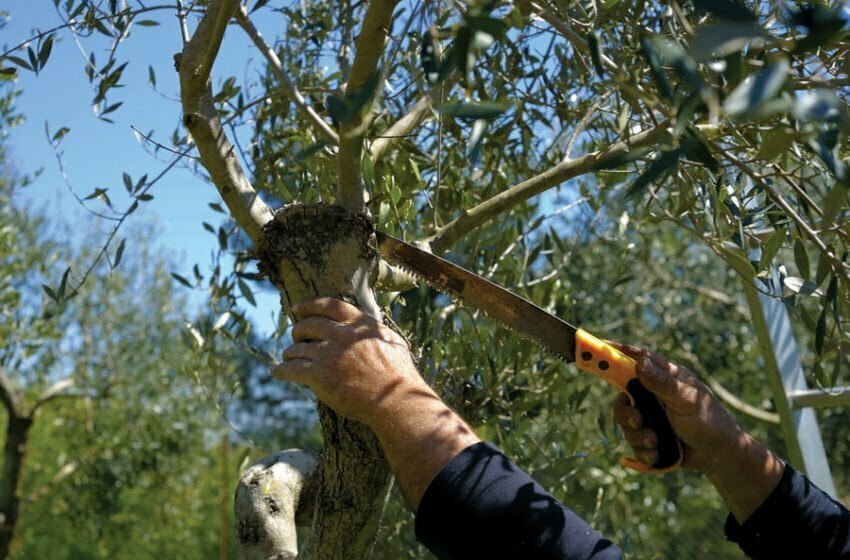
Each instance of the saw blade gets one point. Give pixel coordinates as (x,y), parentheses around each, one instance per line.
(515,312)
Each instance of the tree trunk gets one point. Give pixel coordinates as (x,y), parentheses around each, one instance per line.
(14,453)
(326,250)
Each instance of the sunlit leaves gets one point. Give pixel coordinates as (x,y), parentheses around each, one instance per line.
(757,94)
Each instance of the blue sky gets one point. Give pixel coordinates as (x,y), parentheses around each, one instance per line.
(96,153)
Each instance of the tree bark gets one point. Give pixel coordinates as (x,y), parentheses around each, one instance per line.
(329,251)
(273,498)
(14,453)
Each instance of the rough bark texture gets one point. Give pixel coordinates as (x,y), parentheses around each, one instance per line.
(273,497)
(14,453)
(326,250)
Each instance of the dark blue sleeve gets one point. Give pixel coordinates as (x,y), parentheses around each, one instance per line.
(798,520)
(481,505)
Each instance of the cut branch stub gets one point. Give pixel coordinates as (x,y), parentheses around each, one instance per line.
(273,497)
(324,250)
(320,249)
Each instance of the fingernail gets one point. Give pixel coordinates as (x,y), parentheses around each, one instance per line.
(647,366)
(634,423)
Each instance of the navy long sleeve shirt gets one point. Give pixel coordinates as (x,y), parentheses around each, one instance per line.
(481,505)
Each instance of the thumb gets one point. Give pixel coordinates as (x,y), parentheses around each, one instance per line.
(292,370)
(659,381)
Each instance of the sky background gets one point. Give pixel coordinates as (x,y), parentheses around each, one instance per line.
(97,153)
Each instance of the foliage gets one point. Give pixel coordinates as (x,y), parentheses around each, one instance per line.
(116,463)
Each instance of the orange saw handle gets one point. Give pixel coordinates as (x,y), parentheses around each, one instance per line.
(603,360)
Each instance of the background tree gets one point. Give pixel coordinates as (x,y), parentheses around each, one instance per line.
(112,422)
(701,127)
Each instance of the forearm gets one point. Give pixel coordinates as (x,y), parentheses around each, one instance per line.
(745,476)
(419,435)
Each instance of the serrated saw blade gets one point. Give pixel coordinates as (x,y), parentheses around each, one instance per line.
(515,312)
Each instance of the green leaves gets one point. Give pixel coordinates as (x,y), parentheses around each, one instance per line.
(801,286)
(36,57)
(349,107)
(754,96)
(181,280)
(717,40)
(725,9)
(737,259)
(119,252)
(58,296)
(246,292)
(655,172)
(823,25)
(478,110)
(429,57)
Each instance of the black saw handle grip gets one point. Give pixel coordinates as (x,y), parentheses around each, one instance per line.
(669,447)
(599,358)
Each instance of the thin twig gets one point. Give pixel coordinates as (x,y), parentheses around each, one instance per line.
(72,23)
(181,17)
(286,84)
(163,146)
(839,266)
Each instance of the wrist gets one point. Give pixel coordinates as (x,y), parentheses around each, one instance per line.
(401,400)
(745,475)
(735,447)
(419,434)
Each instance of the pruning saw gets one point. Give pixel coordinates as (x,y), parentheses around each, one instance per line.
(570,343)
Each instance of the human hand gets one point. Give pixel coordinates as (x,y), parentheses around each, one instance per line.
(351,362)
(708,432)
(743,471)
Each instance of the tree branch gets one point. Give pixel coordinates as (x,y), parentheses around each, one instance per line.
(393,278)
(273,497)
(744,408)
(55,391)
(287,85)
(838,265)
(401,127)
(201,118)
(505,200)
(369,46)
(544,12)
(11,397)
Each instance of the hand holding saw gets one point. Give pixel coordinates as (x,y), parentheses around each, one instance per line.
(569,343)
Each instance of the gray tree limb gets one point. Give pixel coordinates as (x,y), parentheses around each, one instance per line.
(275,496)
(369,46)
(200,117)
(11,397)
(446,235)
(401,128)
(56,390)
